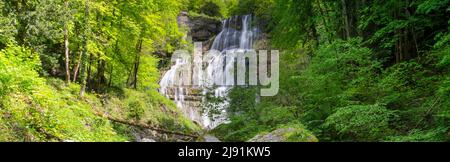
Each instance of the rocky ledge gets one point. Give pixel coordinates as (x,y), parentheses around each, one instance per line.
(201,28)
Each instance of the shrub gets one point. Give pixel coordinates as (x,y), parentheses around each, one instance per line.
(360,122)
(135,109)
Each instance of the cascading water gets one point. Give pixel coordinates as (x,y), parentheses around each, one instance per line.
(214,74)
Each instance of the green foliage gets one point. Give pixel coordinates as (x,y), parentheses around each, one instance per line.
(211,8)
(147,107)
(149,73)
(249,118)
(34,111)
(350,70)
(434,135)
(360,122)
(7,30)
(135,109)
(293,23)
(15,61)
(339,74)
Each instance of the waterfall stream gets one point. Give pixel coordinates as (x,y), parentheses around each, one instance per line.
(212,72)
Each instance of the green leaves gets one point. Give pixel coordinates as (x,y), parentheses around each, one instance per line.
(432,5)
(212,8)
(361,122)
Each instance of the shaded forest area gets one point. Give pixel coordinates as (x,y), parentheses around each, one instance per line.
(351,70)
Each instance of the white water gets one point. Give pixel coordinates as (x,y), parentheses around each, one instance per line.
(217,77)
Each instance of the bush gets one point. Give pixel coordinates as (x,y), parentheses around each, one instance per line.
(360,122)
(135,109)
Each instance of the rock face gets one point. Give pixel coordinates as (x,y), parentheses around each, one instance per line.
(288,134)
(235,34)
(200,28)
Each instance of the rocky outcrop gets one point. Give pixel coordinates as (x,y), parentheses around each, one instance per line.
(200,28)
(287,134)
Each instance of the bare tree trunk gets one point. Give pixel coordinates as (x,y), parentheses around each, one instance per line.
(66,45)
(77,67)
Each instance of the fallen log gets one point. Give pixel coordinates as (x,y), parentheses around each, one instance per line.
(142,125)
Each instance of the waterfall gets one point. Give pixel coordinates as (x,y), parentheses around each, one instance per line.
(215,73)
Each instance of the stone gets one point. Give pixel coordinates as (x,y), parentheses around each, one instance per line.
(147,140)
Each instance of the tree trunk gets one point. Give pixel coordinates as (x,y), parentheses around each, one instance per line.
(66,44)
(89,72)
(346,19)
(77,67)
(312,26)
(100,78)
(84,54)
(110,76)
(133,78)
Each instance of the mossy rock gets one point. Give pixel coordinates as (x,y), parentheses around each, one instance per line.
(286,134)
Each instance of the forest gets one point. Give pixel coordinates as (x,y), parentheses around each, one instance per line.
(350,70)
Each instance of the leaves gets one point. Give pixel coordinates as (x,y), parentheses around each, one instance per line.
(361,122)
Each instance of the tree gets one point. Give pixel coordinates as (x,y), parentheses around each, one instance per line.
(66,43)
